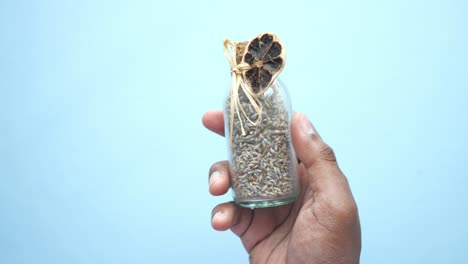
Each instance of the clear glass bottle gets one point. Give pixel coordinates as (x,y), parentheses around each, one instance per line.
(262,160)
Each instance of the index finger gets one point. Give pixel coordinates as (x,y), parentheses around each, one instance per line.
(214,121)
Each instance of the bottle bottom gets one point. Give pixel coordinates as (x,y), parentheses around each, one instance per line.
(252,204)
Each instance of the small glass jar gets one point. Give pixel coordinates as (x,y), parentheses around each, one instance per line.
(262,160)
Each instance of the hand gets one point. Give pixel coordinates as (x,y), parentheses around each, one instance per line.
(321,226)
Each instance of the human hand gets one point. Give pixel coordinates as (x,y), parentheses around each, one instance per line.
(321,226)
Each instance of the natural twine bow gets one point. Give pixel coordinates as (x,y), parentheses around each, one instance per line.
(238,81)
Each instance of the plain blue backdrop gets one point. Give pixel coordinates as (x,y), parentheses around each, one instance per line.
(103,158)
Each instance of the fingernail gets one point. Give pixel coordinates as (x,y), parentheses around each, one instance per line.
(217,216)
(307,126)
(214,177)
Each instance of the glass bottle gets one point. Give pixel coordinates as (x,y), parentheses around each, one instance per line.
(262,161)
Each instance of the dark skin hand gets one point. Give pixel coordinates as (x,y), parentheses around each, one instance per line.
(321,226)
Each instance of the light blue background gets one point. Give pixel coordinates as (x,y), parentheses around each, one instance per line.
(103,158)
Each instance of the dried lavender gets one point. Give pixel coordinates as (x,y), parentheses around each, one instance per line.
(262,160)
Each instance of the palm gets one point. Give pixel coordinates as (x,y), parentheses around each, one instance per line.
(321,226)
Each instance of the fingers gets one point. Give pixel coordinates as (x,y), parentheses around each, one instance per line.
(226,215)
(214,121)
(229,215)
(219,178)
(316,155)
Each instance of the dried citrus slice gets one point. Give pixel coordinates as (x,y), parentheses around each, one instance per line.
(265,55)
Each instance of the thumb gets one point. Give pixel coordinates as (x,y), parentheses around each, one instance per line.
(318,158)
(308,144)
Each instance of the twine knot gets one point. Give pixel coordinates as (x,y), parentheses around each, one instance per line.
(240,68)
